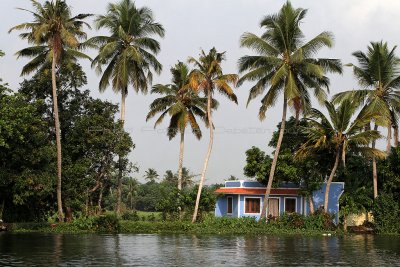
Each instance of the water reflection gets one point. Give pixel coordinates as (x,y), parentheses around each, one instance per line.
(192,250)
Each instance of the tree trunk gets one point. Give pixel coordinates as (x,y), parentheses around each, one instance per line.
(87,203)
(2,208)
(100,198)
(58,138)
(389,139)
(203,174)
(328,184)
(181,148)
(274,162)
(311,202)
(374,169)
(119,179)
(396,136)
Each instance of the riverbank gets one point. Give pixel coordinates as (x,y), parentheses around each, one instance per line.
(214,226)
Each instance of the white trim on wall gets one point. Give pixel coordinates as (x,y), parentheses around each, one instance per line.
(244,206)
(238,206)
(284,203)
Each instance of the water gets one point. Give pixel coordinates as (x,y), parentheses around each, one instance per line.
(191,250)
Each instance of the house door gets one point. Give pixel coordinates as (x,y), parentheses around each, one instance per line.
(273,207)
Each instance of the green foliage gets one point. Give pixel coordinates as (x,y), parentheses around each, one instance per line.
(386,211)
(182,107)
(389,173)
(285,63)
(108,223)
(185,199)
(129,51)
(130,216)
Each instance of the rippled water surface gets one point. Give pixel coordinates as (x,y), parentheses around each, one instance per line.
(188,250)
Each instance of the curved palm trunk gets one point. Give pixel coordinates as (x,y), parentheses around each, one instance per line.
(58,139)
(210,144)
(374,169)
(396,136)
(181,149)
(389,139)
(328,184)
(274,162)
(119,180)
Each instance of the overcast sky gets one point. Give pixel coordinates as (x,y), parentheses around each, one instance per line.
(192,25)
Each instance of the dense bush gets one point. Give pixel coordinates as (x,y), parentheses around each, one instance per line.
(108,223)
(386,211)
(130,216)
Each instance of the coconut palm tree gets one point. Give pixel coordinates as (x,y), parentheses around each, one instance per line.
(56,36)
(182,105)
(151,175)
(378,72)
(128,53)
(339,136)
(206,77)
(284,64)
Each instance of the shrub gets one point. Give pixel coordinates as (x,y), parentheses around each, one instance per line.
(386,213)
(319,220)
(108,223)
(131,216)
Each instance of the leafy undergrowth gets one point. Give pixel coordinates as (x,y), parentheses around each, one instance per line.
(110,223)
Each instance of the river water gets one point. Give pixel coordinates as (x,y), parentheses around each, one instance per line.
(191,250)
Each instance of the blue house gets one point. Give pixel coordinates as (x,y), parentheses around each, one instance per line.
(245,198)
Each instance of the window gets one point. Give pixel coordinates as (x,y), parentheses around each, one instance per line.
(252,205)
(230,205)
(290,205)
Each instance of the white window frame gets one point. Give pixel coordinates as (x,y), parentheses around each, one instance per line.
(244,206)
(295,205)
(227,205)
(279,205)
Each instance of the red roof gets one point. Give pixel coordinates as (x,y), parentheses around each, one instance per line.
(257,191)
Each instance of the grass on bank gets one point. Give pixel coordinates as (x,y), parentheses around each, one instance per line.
(150,223)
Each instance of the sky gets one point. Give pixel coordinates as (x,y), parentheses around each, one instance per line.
(202,24)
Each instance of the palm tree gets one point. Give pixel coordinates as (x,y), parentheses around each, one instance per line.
(183,107)
(284,64)
(128,53)
(206,77)
(379,73)
(339,136)
(151,175)
(55,35)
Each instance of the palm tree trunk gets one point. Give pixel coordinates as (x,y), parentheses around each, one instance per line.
(274,162)
(396,136)
(374,169)
(310,201)
(58,138)
(181,149)
(328,184)
(210,144)
(119,179)
(389,139)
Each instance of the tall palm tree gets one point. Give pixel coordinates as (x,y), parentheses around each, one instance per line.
(285,64)
(378,71)
(182,105)
(128,53)
(339,136)
(206,77)
(55,35)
